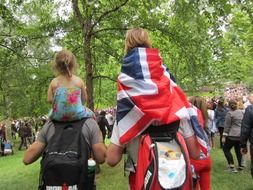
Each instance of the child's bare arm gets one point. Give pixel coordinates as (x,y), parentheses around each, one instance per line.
(84,93)
(50,95)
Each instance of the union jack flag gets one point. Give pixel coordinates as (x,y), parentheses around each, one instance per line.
(146,92)
(197,122)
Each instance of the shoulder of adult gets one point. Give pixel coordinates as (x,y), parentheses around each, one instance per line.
(92,132)
(90,123)
(229,113)
(42,137)
(249,109)
(225,109)
(89,120)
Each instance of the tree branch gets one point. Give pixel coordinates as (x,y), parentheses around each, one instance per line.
(108,29)
(25,57)
(77,12)
(10,49)
(102,76)
(107,13)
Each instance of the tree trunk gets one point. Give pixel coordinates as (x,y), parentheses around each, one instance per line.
(89,74)
(88,66)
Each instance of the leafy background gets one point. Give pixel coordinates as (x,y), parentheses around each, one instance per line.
(204,43)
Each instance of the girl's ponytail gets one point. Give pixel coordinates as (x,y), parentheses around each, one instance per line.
(67,67)
(65,63)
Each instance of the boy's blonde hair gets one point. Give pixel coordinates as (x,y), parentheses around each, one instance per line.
(65,63)
(136,37)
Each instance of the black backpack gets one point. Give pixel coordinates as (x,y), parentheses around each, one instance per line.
(64,164)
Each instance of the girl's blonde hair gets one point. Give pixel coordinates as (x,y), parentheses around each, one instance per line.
(136,37)
(65,63)
(240,105)
(200,103)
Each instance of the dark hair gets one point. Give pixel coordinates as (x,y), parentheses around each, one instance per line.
(232,104)
(220,103)
(102,113)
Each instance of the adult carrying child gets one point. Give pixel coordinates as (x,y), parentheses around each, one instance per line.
(70,130)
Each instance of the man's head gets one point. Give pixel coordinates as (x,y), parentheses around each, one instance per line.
(102,113)
(250,98)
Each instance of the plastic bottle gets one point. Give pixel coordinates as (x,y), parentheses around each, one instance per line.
(91,174)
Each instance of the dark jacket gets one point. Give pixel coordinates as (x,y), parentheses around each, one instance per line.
(219,116)
(246,129)
(102,123)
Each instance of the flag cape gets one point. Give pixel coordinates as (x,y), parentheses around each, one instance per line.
(197,121)
(146,92)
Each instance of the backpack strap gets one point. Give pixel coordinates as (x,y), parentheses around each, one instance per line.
(163,130)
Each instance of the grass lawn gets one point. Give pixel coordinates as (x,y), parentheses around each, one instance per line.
(15,176)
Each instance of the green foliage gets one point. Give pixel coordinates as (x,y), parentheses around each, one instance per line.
(202,42)
(25,41)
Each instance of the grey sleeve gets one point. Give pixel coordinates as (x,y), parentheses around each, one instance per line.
(227,125)
(92,132)
(42,136)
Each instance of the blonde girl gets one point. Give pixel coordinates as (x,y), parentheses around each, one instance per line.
(66,92)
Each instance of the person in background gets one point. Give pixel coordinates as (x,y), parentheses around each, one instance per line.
(247,134)
(13,130)
(249,100)
(3,137)
(210,122)
(17,125)
(247,103)
(219,117)
(110,119)
(240,105)
(22,134)
(28,132)
(202,165)
(102,123)
(231,135)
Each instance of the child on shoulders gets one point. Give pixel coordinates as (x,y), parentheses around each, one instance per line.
(67,92)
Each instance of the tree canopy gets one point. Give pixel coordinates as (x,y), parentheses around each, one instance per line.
(202,43)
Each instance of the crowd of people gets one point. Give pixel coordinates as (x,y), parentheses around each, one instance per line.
(143,106)
(26,130)
(20,130)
